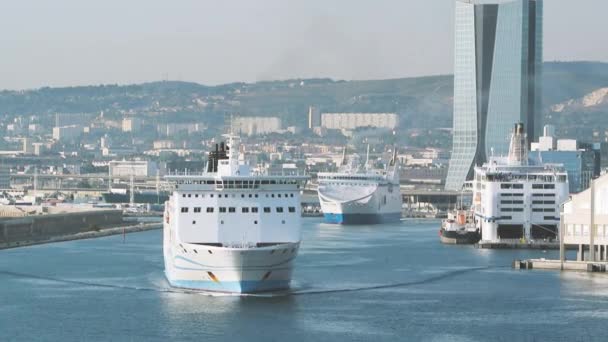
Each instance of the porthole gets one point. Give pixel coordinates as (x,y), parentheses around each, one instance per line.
(283,221)
(242,195)
(255,222)
(222,222)
(279,195)
(193,222)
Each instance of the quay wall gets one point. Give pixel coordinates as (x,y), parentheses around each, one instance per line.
(44,227)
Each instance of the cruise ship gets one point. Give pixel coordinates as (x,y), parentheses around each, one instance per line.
(230,229)
(357,194)
(514,200)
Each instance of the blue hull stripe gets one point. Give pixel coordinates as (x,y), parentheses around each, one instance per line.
(244,286)
(362,218)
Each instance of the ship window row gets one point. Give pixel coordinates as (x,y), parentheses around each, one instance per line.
(511,186)
(512,202)
(238,184)
(243,209)
(543,202)
(505,217)
(543,195)
(511,195)
(551,218)
(351,184)
(514,210)
(524,177)
(350,178)
(543,210)
(234,195)
(543,186)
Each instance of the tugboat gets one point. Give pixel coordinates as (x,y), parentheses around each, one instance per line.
(459,229)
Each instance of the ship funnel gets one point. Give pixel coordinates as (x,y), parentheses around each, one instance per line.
(518,149)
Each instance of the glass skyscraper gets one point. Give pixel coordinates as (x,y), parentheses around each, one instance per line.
(497,69)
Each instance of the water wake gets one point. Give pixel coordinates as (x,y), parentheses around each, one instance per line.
(291,292)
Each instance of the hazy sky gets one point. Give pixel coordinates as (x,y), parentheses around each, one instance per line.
(81,42)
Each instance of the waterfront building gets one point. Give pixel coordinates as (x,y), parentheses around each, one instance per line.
(583,211)
(497,73)
(136,168)
(350,121)
(515,200)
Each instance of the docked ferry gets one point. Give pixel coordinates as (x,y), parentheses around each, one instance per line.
(515,200)
(230,229)
(357,194)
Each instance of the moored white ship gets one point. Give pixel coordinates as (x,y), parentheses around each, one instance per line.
(360,195)
(515,201)
(230,230)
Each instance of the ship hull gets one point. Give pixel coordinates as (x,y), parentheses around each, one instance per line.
(230,270)
(459,238)
(341,218)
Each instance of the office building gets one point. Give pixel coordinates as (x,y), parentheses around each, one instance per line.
(497,71)
(131,125)
(350,121)
(66,133)
(257,125)
(581,161)
(314,117)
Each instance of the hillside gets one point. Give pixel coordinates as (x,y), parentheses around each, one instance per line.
(422,102)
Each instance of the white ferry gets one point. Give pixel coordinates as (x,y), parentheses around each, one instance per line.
(516,201)
(360,195)
(231,230)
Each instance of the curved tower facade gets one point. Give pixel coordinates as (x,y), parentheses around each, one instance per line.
(497,70)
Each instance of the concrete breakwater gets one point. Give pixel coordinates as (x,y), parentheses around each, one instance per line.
(36,229)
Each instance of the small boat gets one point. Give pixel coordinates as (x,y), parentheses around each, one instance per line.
(459,228)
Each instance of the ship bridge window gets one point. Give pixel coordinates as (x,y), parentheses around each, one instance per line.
(266,209)
(292,209)
(232,210)
(245,209)
(197,209)
(184,209)
(209,209)
(222,209)
(279,209)
(254,209)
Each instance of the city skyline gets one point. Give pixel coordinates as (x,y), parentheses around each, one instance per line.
(66,43)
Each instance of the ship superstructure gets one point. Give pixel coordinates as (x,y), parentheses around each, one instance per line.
(358,194)
(229,229)
(514,200)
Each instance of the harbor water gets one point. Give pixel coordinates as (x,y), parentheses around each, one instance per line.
(351,283)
